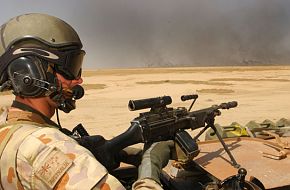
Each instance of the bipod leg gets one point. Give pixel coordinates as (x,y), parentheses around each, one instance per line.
(234,162)
(200,133)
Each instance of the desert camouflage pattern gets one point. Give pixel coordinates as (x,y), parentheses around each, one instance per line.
(45,158)
(144,184)
(3,115)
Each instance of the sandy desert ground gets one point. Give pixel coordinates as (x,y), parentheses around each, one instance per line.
(262,93)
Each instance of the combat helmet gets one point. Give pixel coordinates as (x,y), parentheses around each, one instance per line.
(33,47)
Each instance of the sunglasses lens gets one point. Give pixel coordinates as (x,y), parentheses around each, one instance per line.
(74,63)
(72,68)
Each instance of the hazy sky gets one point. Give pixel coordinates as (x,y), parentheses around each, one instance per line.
(146,33)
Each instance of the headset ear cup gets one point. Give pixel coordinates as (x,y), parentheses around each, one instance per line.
(25,74)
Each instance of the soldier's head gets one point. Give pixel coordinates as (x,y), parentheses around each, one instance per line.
(41,56)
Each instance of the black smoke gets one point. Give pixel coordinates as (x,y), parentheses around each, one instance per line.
(150,33)
(192,32)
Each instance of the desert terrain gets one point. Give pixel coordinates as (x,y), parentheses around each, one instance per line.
(262,93)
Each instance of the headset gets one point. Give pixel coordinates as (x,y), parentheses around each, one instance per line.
(28,77)
(31,72)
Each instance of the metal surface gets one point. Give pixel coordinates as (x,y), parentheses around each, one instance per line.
(249,154)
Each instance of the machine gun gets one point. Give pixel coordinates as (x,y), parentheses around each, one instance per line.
(163,123)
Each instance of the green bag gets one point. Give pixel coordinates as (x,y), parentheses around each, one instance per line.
(233,130)
(251,129)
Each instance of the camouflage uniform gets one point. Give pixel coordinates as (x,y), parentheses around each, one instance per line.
(48,159)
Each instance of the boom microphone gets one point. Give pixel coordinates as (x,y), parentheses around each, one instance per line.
(78,92)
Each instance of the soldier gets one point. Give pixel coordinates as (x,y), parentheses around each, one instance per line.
(41,62)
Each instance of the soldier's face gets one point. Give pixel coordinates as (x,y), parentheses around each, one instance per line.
(69,84)
(66,85)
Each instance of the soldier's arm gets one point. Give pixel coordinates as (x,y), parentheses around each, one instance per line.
(48,159)
(154,159)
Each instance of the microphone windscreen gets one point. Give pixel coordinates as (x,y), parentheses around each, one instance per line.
(78,92)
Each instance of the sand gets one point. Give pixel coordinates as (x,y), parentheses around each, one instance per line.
(262,93)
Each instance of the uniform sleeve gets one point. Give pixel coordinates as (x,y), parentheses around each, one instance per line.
(48,159)
(146,184)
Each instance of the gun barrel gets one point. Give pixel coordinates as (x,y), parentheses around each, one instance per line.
(228,105)
(149,103)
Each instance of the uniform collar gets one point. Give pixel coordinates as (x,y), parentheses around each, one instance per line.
(23,112)
(15,114)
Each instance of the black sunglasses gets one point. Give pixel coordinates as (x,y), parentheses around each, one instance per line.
(71,67)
